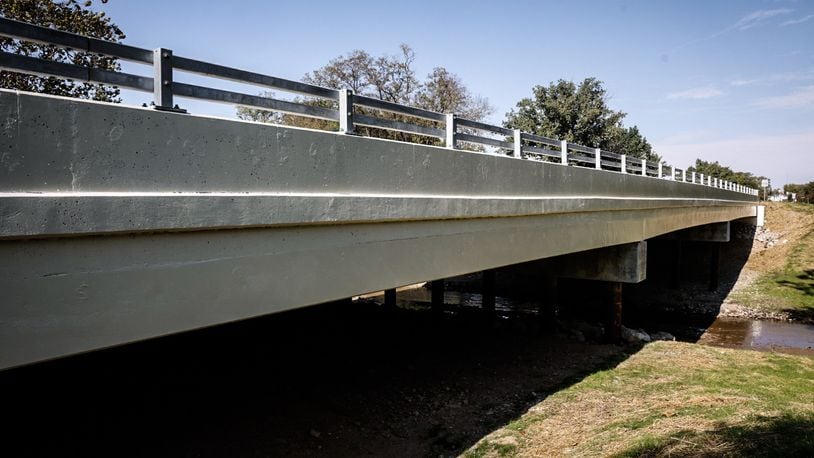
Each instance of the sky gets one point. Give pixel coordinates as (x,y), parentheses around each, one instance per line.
(729,81)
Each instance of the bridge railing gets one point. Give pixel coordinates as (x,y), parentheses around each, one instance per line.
(347,109)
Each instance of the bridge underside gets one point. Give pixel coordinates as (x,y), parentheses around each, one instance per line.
(121,224)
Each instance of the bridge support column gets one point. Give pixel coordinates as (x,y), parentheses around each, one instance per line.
(714,265)
(613,324)
(437,287)
(713,235)
(488,292)
(616,264)
(621,263)
(390,298)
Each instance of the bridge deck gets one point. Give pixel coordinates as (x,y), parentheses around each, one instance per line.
(122,223)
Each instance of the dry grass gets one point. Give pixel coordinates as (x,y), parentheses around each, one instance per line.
(673,399)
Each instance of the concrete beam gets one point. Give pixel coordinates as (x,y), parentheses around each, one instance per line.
(715,232)
(621,263)
(72,167)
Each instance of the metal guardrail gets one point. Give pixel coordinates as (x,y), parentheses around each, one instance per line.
(373,113)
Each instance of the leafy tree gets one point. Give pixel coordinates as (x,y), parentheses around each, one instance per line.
(630,141)
(254,114)
(579,114)
(444,92)
(805,192)
(717,170)
(70,16)
(390,78)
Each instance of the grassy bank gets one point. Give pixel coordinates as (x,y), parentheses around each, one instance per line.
(673,399)
(787,284)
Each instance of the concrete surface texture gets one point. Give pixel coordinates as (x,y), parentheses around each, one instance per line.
(122,223)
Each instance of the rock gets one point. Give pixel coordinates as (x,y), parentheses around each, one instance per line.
(315,434)
(661,335)
(634,335)
(576,335)
(593,332)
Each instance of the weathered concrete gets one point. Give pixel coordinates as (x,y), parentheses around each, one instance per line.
(76,167)
(620,263)
(121,223)
(715,232)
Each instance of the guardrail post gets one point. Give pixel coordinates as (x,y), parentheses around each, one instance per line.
(452,129)
(644,167)
(564,152)
(598,158)
(683,175)
(624,163)
(518,145)
(346,111)
(162,78)
(661,170)
(693,177)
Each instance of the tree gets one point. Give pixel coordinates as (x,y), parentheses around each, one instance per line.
(579,114)
(805,192)
(444,92)
(390,78)
(717,170)
(630,141)
(254,114)
(69,16)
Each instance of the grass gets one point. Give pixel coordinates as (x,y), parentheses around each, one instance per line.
(791,288)
(673,399)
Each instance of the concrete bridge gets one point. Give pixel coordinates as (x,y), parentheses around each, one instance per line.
(123,223)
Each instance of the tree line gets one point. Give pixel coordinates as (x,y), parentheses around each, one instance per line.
(805,192)
(576,112)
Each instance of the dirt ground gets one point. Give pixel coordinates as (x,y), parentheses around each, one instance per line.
(784,230)
(784,227)
(334,380)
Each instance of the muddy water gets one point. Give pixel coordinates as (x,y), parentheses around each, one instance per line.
(761,335)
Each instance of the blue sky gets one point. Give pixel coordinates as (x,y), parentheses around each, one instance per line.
(731,81)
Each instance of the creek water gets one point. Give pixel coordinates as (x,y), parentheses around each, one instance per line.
(760,335)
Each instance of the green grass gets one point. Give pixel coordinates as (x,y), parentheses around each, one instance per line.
(673,399)
(791,289)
